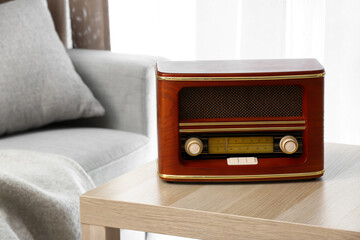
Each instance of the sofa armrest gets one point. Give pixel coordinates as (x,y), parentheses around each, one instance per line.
(125,86)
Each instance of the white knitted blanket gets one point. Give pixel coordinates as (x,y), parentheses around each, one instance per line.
(39,195)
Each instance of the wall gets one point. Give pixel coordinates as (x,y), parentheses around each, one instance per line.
(246,29)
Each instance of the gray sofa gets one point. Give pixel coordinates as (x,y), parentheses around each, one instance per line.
(124,137)
(70,119)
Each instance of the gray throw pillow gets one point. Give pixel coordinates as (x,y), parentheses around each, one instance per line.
(38,83)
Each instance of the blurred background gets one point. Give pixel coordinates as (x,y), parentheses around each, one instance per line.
(252,29)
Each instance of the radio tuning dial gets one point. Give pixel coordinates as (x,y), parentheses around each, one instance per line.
(193,146)
(289,144)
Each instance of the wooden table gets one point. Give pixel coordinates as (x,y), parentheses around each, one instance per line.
(328,208)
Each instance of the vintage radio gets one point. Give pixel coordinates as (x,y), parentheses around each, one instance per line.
(241,120)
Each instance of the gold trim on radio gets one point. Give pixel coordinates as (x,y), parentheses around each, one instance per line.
(281,77)
(238,129)
(238,123)
(240,177)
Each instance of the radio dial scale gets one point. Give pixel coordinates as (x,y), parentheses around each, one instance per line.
(205,146)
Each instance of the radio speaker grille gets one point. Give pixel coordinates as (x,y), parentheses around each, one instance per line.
(241,102)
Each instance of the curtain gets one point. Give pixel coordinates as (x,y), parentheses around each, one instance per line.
(328,30)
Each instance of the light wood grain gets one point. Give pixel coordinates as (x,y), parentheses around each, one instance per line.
(91,232)
(328,208)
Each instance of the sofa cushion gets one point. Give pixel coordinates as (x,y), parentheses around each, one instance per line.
(103,153)
(38,83)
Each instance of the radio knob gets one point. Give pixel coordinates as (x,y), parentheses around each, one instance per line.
(193,146)
(289,144)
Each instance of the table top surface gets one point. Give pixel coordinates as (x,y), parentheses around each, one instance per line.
(331,202)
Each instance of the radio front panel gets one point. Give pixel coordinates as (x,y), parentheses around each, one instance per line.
(240,126)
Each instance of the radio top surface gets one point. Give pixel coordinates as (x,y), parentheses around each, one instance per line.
(239,67)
